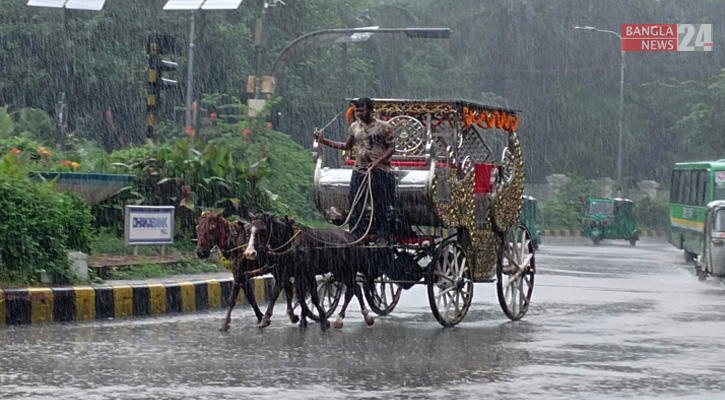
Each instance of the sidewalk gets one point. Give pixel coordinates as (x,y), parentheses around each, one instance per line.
(123,298)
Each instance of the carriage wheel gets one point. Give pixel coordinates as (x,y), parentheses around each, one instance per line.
(515,272)
(382,296)
(450,284)
(329,290)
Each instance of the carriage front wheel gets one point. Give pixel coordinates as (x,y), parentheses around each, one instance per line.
(381,294)
(450,283)
(329,290)
(515,272)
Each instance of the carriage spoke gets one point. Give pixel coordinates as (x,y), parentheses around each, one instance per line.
(515,273)
(450,286)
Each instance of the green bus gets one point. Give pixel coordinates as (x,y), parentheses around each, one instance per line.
(693,185)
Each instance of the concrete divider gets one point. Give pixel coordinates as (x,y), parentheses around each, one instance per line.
(576,232)
(77,303)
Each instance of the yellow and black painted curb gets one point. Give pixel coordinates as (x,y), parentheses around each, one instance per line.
(78,303)
(576,233)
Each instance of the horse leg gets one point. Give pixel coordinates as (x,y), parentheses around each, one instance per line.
(289,294)
(249,295)
(348,297)
(270,308)
(312,283)
(299,285)
(369,319)
(231,302)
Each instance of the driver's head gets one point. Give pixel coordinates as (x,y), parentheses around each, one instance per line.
(363,108)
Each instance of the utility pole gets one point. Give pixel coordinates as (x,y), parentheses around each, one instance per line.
(190,73)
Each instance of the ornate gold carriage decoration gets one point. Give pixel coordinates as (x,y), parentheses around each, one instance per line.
(458,167)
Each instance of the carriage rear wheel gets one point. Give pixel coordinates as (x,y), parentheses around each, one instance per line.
(329,290)
(515,272)
(450,284)
(382,296)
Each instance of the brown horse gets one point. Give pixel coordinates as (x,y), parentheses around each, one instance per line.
(231,238)
(302,252)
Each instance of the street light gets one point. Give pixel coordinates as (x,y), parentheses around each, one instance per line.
(92,5)
(351,35)
(194,6)
(621,104)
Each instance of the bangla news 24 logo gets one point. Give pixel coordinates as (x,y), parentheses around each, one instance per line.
(666,37)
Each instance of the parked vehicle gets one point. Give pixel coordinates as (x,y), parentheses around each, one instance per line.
(529,217)
(610,219)
(694,185)
(712,256)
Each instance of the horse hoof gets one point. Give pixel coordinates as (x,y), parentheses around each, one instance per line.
(224,328)
(325,325)
(338,323)
(294,319)
(264,323)
(369,320)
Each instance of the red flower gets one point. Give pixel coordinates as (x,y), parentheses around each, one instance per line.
(212,115)
(15,150)
(269,125)
(190,130)
(245,132)
(65,163)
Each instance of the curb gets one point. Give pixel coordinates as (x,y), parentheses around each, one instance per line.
(577,233)
(79,303)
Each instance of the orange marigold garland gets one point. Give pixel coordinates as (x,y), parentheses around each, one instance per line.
(350,112)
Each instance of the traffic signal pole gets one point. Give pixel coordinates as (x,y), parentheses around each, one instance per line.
(156,46)
(152,85)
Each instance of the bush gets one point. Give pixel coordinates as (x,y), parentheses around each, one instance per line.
(565,211)
(653,213)
(37,225)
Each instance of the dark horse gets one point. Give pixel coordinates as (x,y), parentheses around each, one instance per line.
(231,239)
(302,252)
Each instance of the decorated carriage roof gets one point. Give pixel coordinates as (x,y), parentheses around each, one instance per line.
(470,113)
(453,105)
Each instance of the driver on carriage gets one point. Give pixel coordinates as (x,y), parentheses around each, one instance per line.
(372,142)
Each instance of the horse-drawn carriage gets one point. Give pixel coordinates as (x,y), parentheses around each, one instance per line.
(459,172)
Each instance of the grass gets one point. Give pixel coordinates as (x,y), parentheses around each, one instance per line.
(151,270)
(105,243)
(112,245)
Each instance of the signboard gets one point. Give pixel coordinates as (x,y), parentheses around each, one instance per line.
(149,225)
(667,37)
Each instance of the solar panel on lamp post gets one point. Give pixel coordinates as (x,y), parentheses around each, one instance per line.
(194,6)
(93,5)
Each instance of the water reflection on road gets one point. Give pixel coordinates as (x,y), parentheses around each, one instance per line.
(610,321)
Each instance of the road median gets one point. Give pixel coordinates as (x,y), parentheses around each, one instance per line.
(122,299)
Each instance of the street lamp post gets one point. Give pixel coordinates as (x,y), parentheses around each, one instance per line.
(348,36)
(621,104)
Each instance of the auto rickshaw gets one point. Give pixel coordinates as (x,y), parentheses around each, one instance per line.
(610,219)
(712,257)
(529,217)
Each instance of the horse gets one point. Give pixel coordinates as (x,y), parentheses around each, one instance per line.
(231,238)
(303,252)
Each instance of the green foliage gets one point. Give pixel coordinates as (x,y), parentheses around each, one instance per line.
(6,124)
(653,213)
(38,225)
(38,123)
(566,209)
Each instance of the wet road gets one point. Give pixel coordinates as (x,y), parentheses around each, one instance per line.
(611,321)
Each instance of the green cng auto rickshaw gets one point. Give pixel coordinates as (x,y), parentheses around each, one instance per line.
(529,217)
(610,219)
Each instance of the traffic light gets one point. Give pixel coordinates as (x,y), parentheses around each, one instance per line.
(157,45)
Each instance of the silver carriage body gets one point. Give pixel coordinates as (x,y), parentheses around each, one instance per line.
(422,154)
